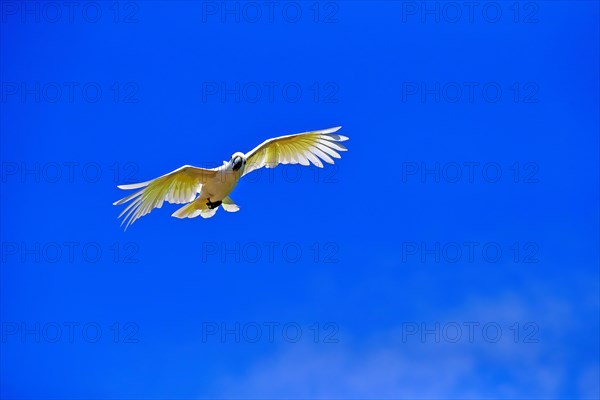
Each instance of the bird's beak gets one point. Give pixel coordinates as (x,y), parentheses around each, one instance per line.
(237,164)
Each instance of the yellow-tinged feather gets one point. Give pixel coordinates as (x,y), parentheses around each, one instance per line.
(179,186)
(303,148)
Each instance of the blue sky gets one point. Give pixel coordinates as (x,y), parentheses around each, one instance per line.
(451,253)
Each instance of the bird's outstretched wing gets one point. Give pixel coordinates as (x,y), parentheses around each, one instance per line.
(301,148)
(179,186)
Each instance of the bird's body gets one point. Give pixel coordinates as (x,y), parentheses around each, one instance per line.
(212,193)
(223,183)
(205,190)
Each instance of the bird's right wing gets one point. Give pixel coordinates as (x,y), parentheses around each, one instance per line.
(301,148)
(179,186)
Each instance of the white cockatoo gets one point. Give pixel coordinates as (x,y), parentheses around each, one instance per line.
(206,189)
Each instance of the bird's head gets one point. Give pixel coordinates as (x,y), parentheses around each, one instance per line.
(238,160)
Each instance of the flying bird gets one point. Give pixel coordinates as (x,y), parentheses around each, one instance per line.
(205,190)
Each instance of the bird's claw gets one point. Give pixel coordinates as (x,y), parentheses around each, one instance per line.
(214,205)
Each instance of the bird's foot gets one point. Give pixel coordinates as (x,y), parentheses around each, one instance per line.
(212,205)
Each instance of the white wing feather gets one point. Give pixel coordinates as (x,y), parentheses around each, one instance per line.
(301,148)
(179,186)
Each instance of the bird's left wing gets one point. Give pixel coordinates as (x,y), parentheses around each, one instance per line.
(179,186)
(301,148)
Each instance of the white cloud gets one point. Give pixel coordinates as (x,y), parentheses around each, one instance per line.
(385,367)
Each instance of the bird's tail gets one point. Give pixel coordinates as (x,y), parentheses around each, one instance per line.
(195,208)
(229,205)
(199,207)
